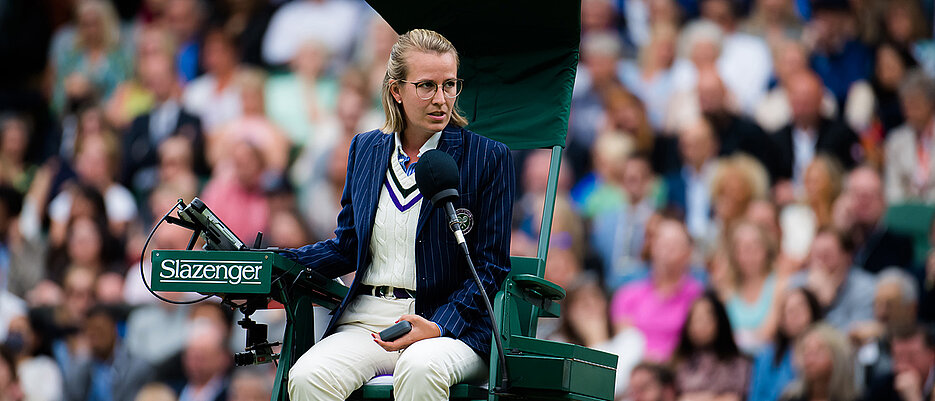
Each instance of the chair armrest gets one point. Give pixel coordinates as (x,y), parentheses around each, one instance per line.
(538,292)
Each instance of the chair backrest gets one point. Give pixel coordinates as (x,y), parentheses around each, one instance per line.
(914,220)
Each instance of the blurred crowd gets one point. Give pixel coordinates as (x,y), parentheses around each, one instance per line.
(744,211)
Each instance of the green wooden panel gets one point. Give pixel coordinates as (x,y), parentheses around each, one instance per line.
(914,220)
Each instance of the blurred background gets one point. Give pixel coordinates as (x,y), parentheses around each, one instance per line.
(745,209)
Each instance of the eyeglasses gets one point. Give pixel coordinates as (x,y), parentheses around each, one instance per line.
(426,90)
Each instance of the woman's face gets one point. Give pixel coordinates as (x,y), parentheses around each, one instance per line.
(749,251)
(890,69)
(588,306)
(796,315)
(815,358)
(90,26)
(85,242)
(426,117)
(702,325)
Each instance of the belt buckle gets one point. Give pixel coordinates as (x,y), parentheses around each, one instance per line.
(390,293)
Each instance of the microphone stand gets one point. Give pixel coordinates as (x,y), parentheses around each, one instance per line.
(455,227)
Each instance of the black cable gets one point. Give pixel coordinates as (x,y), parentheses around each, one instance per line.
(505,376)
(143,256)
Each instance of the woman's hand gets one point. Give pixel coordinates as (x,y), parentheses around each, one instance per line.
(421,329)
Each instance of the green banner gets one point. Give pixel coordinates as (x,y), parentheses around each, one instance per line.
(209,272)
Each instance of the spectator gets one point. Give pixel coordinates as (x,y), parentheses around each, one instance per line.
(895,303)
(700,45)
(93,63)
(301,102)
(904,22)
(88,244)
(183,19)
(745,61)
(585,320)
(774,21)
(838,57)
(156,392)
(754,285)
(772,367)
(910,147)
(252,126)
(650,76)
(738,181)
(824,358)
(133,97)
(913,350)
(873,108)
(148,131)
(250,385)
(39,376)
(689,188)
(841,287)
(618,235)
(790,57)
(331,22)
(652,382)
(602,189)
(659,304)
(927,300)
(707,361)
(105,370)
(822,186)
(15,169)
(215,95)
(810,133)
(597,72)
(735,133)
(206,363)
(236,195)
(877,246)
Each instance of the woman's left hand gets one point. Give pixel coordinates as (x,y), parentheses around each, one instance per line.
(421,329)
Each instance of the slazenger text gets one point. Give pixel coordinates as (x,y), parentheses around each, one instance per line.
(218,272)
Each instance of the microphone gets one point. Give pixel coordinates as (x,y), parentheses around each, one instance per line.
(437,177)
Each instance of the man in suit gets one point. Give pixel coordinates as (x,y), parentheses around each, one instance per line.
(408,265)
(913,377)
(166,119)
(878,247)
(689,187)
(809,133)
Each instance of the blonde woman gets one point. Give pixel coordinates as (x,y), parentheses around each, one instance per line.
(826,367)
(400,247)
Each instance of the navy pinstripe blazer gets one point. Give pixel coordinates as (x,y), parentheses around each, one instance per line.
(445,293)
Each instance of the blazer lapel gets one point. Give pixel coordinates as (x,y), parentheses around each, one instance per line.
(375,172)
(450,143)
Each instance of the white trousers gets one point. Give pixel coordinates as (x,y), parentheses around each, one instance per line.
(342,362)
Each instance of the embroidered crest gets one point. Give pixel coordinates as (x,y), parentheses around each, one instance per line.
(466,219)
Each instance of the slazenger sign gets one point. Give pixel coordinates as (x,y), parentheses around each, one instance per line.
(211,271)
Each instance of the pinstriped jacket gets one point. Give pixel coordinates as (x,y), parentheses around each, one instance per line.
(445,293)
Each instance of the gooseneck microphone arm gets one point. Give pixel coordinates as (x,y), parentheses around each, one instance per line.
(437,177)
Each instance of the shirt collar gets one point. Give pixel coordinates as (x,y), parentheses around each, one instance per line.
(430,144)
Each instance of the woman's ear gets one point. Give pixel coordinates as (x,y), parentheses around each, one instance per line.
(394,90)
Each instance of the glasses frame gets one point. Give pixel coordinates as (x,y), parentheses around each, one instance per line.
(459,81)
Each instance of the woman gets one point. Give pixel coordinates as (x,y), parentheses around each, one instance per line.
(749,299)
(772,367)
(825,359)
(400,246)
(94,63)
(707,360)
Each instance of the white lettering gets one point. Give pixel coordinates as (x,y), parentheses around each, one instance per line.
(168,268)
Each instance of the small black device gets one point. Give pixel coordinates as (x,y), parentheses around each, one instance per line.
(258,350)
(396,331)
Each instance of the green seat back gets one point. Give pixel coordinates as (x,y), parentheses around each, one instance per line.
(914,220)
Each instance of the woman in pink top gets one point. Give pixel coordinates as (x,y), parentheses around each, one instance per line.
(659,304)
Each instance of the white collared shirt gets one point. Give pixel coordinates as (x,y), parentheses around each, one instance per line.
(803,148)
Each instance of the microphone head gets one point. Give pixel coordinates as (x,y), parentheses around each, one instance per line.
(437,177)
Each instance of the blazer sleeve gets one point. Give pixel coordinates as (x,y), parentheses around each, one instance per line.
(336,256)
(491,254)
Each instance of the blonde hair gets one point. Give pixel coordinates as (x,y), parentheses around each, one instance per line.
(420,40)
(841,384)
(110,24)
